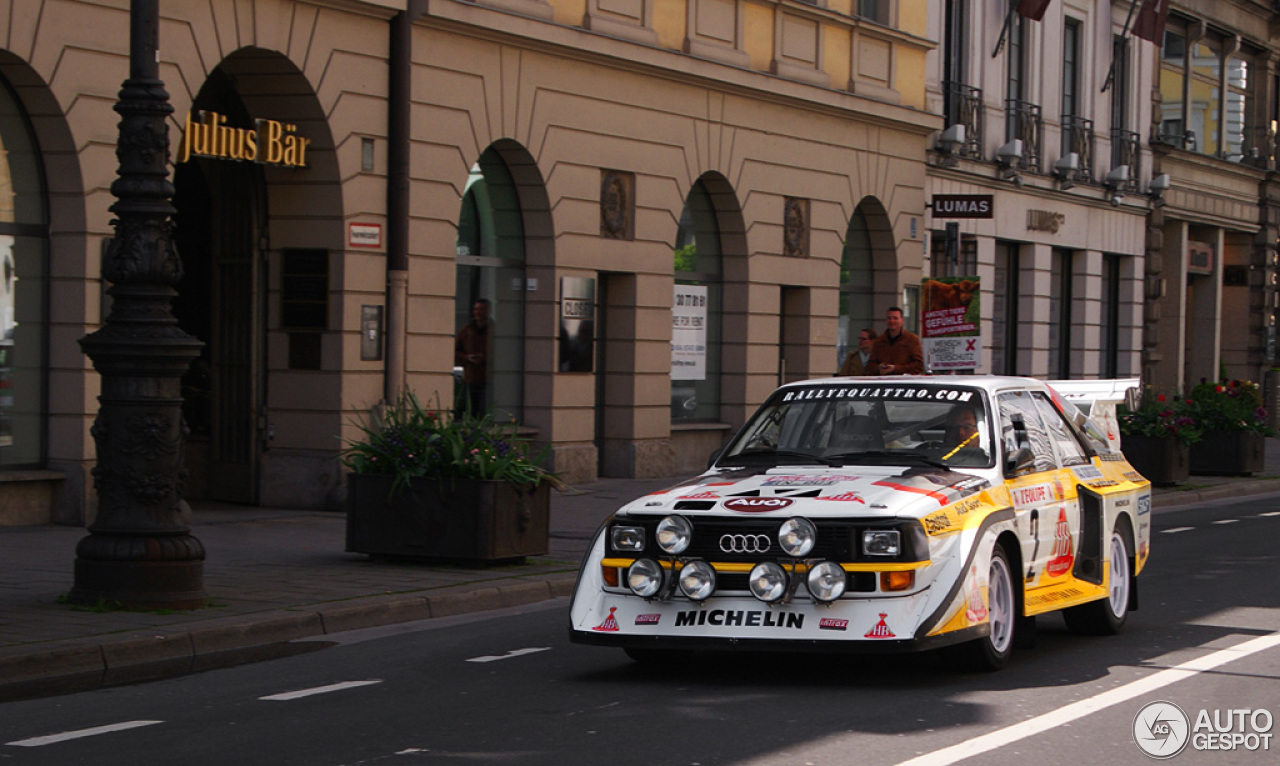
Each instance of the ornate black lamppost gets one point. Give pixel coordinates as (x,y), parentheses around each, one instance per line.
(140,552)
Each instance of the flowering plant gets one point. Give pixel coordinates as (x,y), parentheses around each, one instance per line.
(1229,405)
(406,440)
(1160,416)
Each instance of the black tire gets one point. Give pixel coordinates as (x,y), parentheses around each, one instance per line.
(991,652)
(1106,617)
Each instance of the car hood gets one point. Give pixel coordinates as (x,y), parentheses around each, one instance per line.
(864,491)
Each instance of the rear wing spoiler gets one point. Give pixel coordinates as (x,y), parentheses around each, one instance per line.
(1098,400)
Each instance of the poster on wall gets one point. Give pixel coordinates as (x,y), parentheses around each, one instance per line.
(950,327)
(689,333)
(577,324)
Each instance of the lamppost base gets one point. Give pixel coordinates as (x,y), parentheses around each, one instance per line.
(140,572)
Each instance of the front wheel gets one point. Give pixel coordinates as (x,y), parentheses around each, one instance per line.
(992,651)
(1107,616)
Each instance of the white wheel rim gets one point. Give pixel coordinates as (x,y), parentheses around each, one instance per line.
(1000,605)
(1119,590)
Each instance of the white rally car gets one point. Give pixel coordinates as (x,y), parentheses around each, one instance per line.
(897,513)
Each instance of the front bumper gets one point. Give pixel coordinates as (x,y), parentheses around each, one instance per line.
(743,623)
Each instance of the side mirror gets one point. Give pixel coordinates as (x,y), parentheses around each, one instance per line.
(1019,462)
(714,457)
(1021,458)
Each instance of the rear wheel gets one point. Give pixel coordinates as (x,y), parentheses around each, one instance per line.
(1107,616)
(992,651)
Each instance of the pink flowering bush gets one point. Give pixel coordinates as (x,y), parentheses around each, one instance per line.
(1229,405)
(1161,416)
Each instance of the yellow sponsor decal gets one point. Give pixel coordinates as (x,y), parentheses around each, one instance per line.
(1061,596)
(959,515)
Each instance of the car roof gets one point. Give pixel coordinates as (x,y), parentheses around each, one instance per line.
(987,382)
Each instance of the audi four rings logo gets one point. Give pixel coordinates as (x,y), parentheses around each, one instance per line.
(757,504)
(744,543)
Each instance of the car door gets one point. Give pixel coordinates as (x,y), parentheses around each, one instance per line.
(1043,493)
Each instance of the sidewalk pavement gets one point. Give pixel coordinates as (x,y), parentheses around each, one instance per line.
(276,576)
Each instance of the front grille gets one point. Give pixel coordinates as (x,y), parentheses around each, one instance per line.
(835,541)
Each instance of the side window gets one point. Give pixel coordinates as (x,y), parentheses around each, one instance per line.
(1069,448)
(1020,403)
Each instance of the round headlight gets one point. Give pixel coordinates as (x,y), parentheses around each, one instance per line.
(697,580)
(674,534)
(644,578)
(797,536)
(826,581)
(767,581)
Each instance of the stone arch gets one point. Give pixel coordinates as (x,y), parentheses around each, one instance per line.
(520,214)
(67,249)
(249,232)
(735,283)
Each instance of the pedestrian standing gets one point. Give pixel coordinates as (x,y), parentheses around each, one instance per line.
(471,352)
(898,351)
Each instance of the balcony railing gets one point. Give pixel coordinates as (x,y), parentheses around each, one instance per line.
(1077,136)
(1126,150)
(1025,122)
(964,107)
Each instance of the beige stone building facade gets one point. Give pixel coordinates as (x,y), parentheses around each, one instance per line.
(1212,264)
(1064,167)
(669,206)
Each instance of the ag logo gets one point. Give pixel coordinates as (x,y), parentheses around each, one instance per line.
(1161,729)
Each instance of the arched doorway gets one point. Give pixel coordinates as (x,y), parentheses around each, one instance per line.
(867,269)
(24,272)
(491,272)
(221,236)
(696,311)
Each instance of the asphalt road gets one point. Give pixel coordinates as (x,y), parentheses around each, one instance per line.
(507,688)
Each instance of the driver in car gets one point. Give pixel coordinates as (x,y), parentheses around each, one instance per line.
(961,434)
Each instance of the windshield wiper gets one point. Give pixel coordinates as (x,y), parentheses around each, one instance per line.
(845,458)
(780,455)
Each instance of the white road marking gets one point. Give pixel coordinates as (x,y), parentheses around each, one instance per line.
(1177,529)
(66,735)
(285,696)
(509,655)
(1090,705)
(1270,513)
(1226,521)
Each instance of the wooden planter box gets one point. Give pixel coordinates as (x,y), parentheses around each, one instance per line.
(1228,453)
(463,521)
(1162,460)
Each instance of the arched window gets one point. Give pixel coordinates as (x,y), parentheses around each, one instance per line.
(23,290)
(695,313)
(857,304)
(490,253)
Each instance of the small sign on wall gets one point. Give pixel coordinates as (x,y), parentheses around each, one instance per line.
(577,324)
(1199,257)
(364,235)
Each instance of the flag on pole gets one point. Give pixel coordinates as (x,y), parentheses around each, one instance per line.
(1034,9)
(1151,19)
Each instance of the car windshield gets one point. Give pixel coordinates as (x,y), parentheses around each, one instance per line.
(837,423)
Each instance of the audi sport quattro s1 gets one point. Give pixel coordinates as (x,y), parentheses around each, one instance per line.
(873,514)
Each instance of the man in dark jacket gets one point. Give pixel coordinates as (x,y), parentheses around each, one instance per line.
(471,352)
(898,351)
